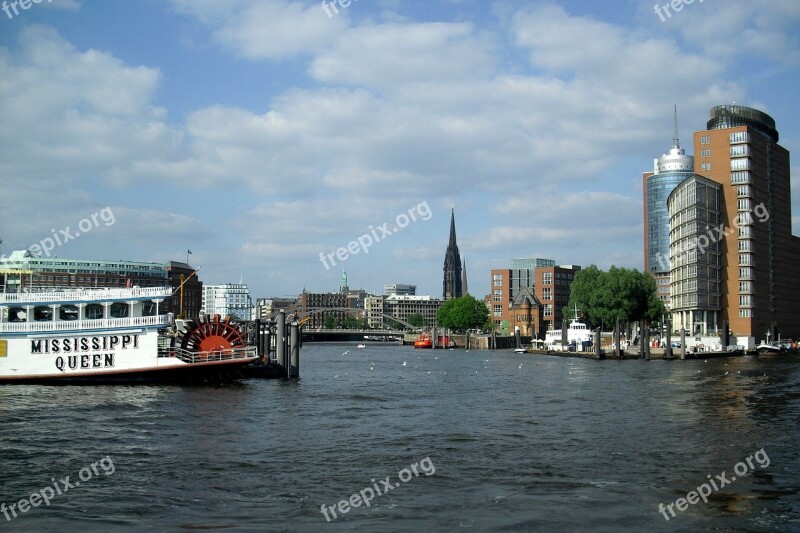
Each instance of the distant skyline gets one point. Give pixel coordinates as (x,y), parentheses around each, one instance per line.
(261,134)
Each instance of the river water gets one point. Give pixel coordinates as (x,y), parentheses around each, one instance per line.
(499,441)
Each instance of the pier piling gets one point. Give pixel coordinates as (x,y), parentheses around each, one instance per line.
(597,351)
(617,348)
(683,343)
(668,347)
(280,339)
(293,368)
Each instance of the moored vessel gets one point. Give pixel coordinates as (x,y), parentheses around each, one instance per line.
(577,333)
(113,335)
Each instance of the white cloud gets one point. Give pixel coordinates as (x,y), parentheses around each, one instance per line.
(266,29)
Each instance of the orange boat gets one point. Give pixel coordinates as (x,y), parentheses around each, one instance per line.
(424,341)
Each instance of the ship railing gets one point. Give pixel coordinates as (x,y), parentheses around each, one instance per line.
(88,295)
(86,324)
(223,354)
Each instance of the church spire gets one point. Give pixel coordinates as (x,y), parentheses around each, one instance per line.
(451,285)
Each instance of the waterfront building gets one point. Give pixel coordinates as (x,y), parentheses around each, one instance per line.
(400,288)
(373,311)
(228,299)
(22,269)
(695,290)
(669,170)
(266,308)
(403,306)
(530,295)
(739,150)
(451,285)
(187,300)
(335,301)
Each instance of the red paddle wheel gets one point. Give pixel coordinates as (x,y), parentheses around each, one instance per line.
(211,335)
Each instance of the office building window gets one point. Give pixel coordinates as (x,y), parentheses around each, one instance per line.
(497,280)
(547,294)
(497,296)
(740,177)
(498,310)
(705,166)
(740,164)
(739,137)
(547,278)
(705,139)
(705,153)
(739,150)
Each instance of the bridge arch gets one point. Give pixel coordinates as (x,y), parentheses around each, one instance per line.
(351,310)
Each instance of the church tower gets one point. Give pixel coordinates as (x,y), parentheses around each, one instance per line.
(451,287)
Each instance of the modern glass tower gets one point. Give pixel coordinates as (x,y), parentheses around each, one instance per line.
(669,170)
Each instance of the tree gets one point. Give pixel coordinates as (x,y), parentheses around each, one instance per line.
(462,313)
(351,322)
(416,320)
(620,293)
(330,322)
(393,324)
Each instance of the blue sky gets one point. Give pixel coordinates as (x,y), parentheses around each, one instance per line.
(260,134)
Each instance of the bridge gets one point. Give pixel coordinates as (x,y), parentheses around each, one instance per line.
(340,335)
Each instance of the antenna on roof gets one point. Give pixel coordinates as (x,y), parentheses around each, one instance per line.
(676,141)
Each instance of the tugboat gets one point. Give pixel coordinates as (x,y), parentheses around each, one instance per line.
(114,335)
(424,342)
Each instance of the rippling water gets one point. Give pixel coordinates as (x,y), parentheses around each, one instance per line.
(518,442)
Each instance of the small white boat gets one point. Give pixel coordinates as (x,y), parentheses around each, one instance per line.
(577,333)
(361,346)
(519,350)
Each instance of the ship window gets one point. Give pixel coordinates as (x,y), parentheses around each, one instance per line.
(42,313)
(17,314)
(94,311)
(68,312)
(148,308)
(119,310)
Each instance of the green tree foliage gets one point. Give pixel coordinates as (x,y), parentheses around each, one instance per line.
(330,322)
(394,325)
(416,320)
(462,313)
(351,322)
(622,293)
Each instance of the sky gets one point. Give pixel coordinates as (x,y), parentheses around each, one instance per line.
(283,142)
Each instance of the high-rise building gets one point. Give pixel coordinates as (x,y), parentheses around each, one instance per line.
(739,150)
(451,286)
(695,276)
(669,170)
